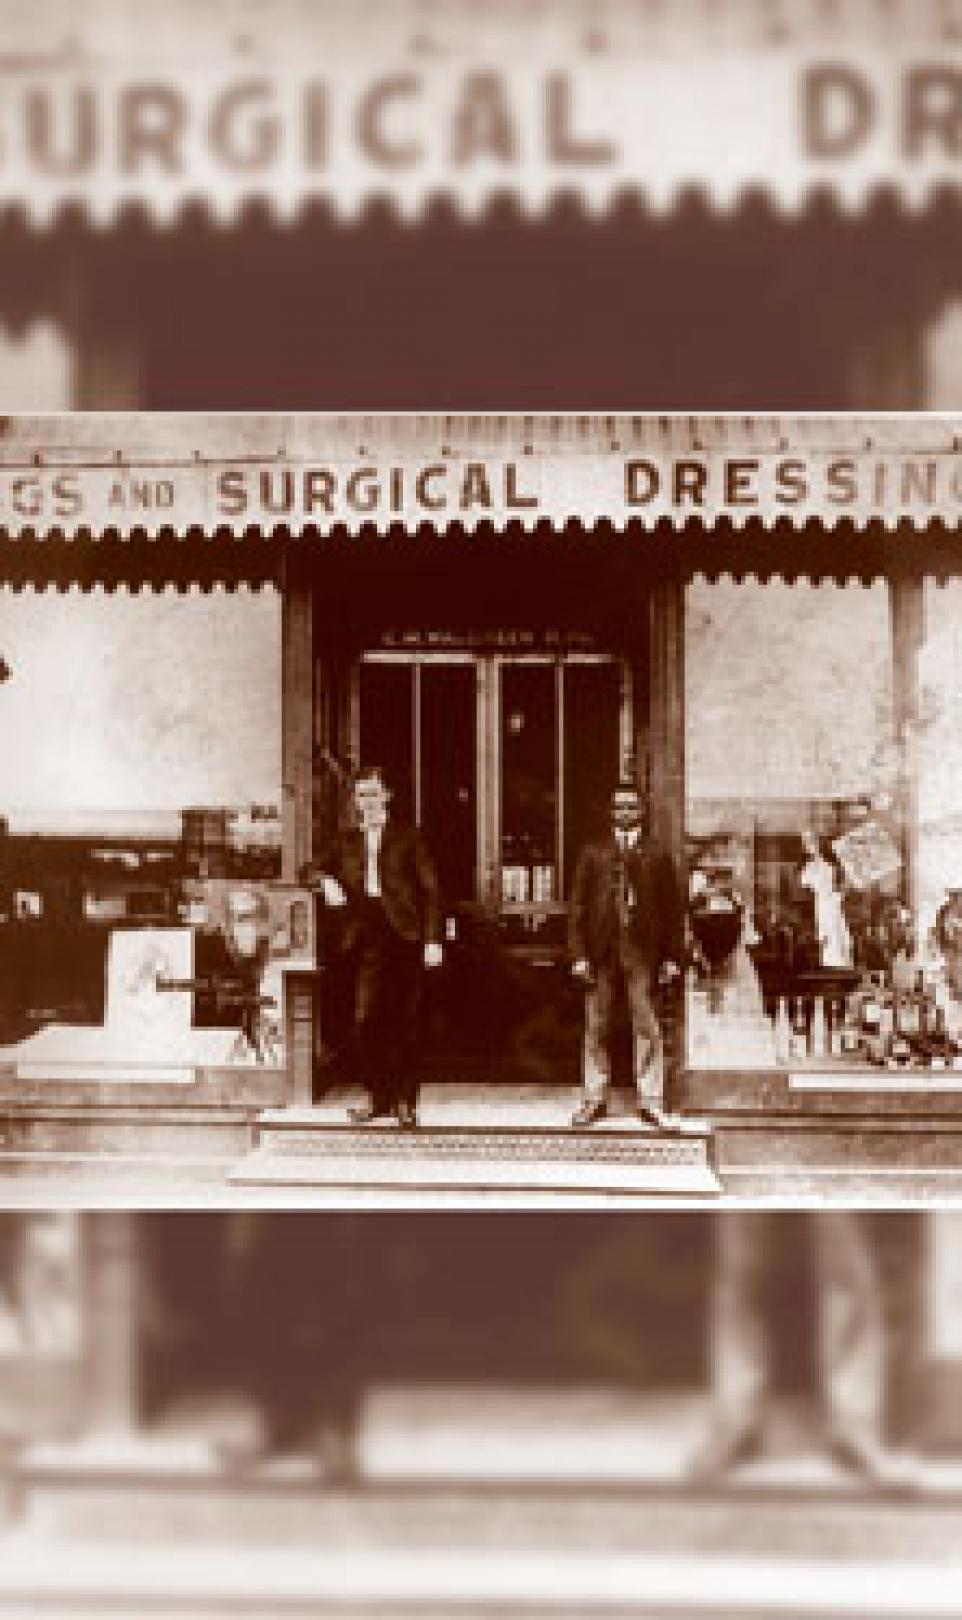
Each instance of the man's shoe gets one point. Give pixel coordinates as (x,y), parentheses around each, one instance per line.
(240,1456)
(336,1457)
(236,1458)
(407,1116)
(728,1446)
(588,1113)
(363,1113)
(661,1118)
(869,1462)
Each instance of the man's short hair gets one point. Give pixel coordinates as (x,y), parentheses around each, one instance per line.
(370,773)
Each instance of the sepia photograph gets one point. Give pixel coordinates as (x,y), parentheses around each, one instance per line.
(480,856)
(454,804)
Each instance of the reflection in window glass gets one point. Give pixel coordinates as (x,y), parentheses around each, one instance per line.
(803,950)
(143,927)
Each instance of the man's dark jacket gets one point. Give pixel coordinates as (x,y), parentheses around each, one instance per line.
(409,883)
(654,931)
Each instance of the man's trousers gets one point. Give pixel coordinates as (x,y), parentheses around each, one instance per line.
(850,1326)
(647,1053)
(387,990)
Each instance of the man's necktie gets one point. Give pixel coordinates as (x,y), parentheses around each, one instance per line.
(622,887)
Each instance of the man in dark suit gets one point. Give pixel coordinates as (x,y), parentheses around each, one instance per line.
(288,1319)
(625,921)
(382,875)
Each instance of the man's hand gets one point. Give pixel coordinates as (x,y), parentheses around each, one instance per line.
(669,972)
(582,968)
(433,954)
(332,892)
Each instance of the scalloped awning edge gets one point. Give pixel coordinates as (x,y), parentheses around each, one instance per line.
(373,476)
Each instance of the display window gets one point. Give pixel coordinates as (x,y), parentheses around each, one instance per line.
(144,930)
(751,620)
(803,942)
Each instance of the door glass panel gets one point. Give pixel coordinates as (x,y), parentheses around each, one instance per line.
(529,849)
(386,725)
(448,748)
(592,711)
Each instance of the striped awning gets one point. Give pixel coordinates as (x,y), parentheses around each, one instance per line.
(165,103)
(308,476)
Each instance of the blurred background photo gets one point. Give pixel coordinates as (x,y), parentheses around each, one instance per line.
(380,1410)
(407,204)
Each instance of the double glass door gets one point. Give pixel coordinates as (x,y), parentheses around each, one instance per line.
(505,762)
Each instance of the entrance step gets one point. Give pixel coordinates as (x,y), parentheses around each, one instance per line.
(206,1552)
(151,1525)
(479,1139)
(783,1508)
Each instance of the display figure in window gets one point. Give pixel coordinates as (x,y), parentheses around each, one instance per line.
(626,922)
(819,878)
(381,876)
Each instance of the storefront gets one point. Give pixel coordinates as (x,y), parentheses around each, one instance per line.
(508,615)
(752,617)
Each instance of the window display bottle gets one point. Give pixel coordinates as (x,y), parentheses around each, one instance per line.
(819,1033)
(850,1033)
(798,1046)
(836,1028)
(783,1032)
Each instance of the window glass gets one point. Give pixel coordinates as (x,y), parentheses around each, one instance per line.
(936,745)
(529,799)
(144,929)
(386,724)
(592,719)
(448,748)
(803,951)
